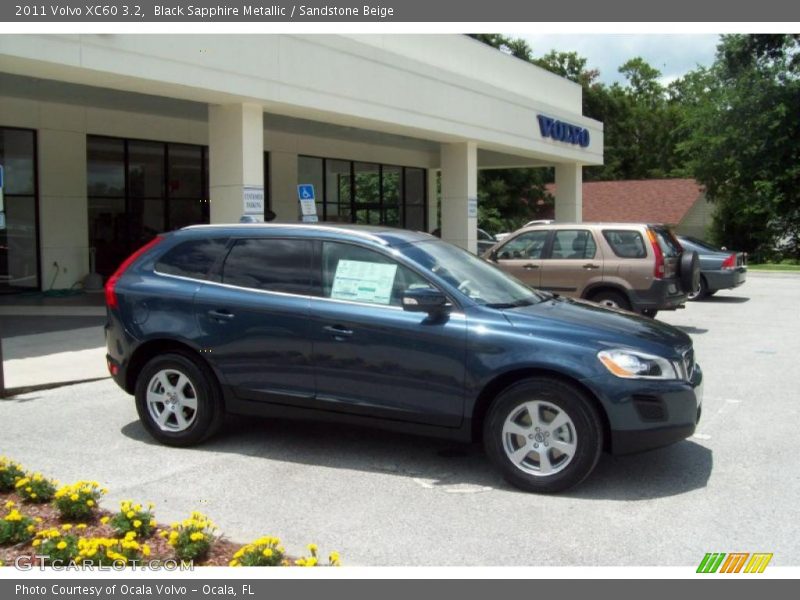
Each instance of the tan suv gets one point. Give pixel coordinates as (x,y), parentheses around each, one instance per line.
(632,266)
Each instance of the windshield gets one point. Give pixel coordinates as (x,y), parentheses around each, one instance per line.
(477,279)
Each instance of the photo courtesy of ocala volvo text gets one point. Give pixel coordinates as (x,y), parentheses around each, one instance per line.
(395,329)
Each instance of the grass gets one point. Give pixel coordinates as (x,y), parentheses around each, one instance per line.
(781,266)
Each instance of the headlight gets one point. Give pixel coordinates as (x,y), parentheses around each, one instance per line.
(637,365)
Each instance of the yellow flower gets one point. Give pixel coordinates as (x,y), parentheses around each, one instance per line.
(36,542)
(10,504)
(33,496)
(80,526)
(313,548)
(30,528)
(239,553)
(153,523)
(233,563)
(145,550)
(267,552)
(137,523)
(90,502)
(334,559)
(130,514)
(162,533)
(66,527)
(74,497)
(61,545)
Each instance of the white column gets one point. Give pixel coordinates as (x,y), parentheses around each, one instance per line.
(569,193)
(283,181)
(433,199)
(459,194)
(236,157)
(63,208)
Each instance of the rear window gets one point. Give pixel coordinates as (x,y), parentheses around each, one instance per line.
(626,243)
(274,265)
(192,258)
(670,246)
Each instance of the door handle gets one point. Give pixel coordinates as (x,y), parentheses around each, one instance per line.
(338,332)
(530,267)
(590,266)
(221,314)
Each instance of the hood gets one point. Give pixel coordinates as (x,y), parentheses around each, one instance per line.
(586,323)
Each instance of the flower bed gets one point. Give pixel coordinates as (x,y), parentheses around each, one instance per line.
(71,526)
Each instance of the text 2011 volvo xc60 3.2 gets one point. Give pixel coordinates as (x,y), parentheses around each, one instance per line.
(393,329)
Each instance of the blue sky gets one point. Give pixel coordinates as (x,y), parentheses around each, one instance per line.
(672,54)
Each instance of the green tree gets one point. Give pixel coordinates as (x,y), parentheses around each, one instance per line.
(743,141)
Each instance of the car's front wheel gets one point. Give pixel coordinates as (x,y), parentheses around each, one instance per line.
(543,434)
(178,400)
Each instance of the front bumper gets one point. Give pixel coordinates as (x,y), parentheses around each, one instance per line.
(644,415)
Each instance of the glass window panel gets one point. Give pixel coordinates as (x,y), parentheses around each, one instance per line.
(270,264)
(145,220)
(392,185)
(185,179)
(145,169)
(192,259)
(415,218)
(16,156)
(105,166)
(108,232)
(339,213)
(369,265)
(18,252)
(415,186)
(187,211)
(524,246)
(573,244)
(367,180)
(337,181)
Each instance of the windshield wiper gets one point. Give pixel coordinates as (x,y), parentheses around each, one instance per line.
(515,304)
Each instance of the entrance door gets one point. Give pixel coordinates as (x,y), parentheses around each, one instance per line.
(19,254)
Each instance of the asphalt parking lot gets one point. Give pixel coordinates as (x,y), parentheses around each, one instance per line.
(388,499)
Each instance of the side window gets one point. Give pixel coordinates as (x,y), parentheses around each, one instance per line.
(358,274)
(274,265)
(625,243)
(192,258)
(526,245)
(573,244)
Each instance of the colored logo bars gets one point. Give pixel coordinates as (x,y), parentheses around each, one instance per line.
(719,562)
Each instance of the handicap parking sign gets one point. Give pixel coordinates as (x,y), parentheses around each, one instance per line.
(305,191)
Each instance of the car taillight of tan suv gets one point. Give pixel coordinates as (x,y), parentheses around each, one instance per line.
(636,267)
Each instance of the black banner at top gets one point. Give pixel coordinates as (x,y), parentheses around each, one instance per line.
(320,11)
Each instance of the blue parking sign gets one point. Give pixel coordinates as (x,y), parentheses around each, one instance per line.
(305,191)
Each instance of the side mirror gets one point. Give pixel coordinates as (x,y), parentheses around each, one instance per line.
(493,255)
(427,300)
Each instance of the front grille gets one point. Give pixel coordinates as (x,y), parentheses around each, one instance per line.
(650,408)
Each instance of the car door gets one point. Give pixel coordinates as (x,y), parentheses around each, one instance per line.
(573,262)
(521,256)
(373,358)
(254,319)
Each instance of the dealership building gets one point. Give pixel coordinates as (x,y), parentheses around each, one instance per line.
(107,140)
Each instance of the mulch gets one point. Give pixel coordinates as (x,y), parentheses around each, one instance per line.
(221,552)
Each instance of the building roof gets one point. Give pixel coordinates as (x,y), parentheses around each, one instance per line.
(639,201)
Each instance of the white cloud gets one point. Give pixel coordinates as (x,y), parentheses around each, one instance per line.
(672,54)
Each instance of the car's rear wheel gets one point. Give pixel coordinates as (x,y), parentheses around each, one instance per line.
(178,400)
(701,291)
(611,299)
(543,434)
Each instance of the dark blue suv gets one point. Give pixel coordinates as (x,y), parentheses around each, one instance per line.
(390,328)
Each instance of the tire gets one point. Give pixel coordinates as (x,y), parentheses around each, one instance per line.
(611,299)
(185,394)
(701,291)
(650,312)
(581,435)
(689,271)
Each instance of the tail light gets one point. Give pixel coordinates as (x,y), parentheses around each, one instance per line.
(111,284)
(658,270)
(730,262)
